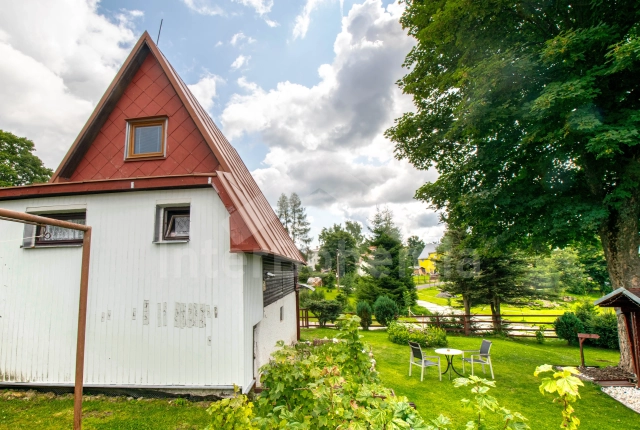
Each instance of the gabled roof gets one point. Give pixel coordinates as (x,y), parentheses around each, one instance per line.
(620,298)
(429,248)
(254,225)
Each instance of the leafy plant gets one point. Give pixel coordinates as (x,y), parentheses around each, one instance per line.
(385,310)
(586,312)
(566,386)
(235,413)
(307,296)
(540,334)
(332,386)
(482,403)
(364,311)
(567,327)
(325,310)
(401,333)
(606,326)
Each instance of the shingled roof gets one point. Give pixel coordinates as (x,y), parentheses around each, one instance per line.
(254,225)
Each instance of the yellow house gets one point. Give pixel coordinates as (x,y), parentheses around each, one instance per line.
(427,258)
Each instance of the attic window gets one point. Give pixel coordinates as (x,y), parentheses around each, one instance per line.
(176,223)
(146,138)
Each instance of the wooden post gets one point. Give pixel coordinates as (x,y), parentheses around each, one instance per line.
(84,292)
(581,338)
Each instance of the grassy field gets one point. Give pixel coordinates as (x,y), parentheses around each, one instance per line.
(517,388)
(429,295)
(43,411)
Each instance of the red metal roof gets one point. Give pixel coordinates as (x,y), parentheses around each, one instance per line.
(254,225)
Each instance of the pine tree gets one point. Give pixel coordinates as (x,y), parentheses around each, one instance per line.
(299,225)
(284,212)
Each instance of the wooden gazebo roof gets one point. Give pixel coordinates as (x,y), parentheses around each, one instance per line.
(621,298)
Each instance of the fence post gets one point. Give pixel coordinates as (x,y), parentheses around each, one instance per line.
(438,321)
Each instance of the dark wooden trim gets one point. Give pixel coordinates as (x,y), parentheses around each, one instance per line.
(107,186)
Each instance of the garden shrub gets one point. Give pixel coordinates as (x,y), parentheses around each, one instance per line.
(308,296)
(606,325)
(331,386)
(586,312)
(364,311)
(567,327)
(402,333)
(325,310)
(235,413)
(385,310)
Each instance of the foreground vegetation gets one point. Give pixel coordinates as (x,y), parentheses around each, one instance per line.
(516,387)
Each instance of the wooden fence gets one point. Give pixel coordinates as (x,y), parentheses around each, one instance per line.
(522,325)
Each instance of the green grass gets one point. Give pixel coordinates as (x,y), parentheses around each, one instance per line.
(43,412)
(517,388)
(429,295)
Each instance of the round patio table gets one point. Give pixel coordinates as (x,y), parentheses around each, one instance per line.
(449,353)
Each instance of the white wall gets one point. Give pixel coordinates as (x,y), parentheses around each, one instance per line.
(39,297)
(252,312)
(271,329)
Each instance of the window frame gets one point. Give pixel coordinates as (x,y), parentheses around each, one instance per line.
(166,222)
(132,125)
(64,216)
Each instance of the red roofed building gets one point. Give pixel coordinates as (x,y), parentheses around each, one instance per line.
(192,276)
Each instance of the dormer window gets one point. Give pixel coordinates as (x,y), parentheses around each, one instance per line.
(146,138)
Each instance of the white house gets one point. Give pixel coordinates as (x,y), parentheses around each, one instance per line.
(192,278)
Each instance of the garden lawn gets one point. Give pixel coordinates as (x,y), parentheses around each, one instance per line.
(517,388)
(99,412)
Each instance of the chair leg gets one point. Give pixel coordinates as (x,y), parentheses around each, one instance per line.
(491,367)
(422,374)
(439,371)
(472,366)
(410,364)
(463,371)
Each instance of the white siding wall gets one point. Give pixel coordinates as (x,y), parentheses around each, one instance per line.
(39,297)
(252,311)
(271,329)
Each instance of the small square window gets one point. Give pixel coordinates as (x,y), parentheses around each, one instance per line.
(177,223)
(281,313)
(51,235)
(146,138)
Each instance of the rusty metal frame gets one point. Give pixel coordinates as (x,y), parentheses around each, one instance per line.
(25,218)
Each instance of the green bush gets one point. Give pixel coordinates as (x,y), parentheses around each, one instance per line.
(606,325)
(586,312)
(235,413)
(401,333)
(325,310)
(385,310)
(308,296)
(567,327)
(364,311)
(332,386)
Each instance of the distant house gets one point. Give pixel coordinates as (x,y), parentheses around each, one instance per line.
(427,258)
(313,258)
(192,277)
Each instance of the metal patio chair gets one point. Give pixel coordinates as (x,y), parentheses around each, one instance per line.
(480,356)
(417,354)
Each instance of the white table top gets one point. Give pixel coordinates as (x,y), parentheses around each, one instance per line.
(448,351)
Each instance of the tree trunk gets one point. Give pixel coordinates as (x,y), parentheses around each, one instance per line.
(495,314)
(620,241)
(467,311)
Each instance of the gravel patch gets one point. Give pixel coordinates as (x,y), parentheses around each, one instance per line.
(628,396)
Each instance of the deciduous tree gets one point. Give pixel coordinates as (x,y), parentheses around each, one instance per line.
(529,110)
(18,164)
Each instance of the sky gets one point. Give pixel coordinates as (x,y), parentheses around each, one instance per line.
(303,89)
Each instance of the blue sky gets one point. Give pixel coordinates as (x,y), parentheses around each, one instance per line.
(303,89)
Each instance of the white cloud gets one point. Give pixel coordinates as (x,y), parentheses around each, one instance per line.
(238,38)
(240,62)
(52,75)
(219,43)
(304,19)
(262,8)
(203,7)
(326,141)
(205,90)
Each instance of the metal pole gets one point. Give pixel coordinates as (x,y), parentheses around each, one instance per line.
(84,292)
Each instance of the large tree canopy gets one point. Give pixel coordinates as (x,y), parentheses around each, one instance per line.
(18,164)
(529,110)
